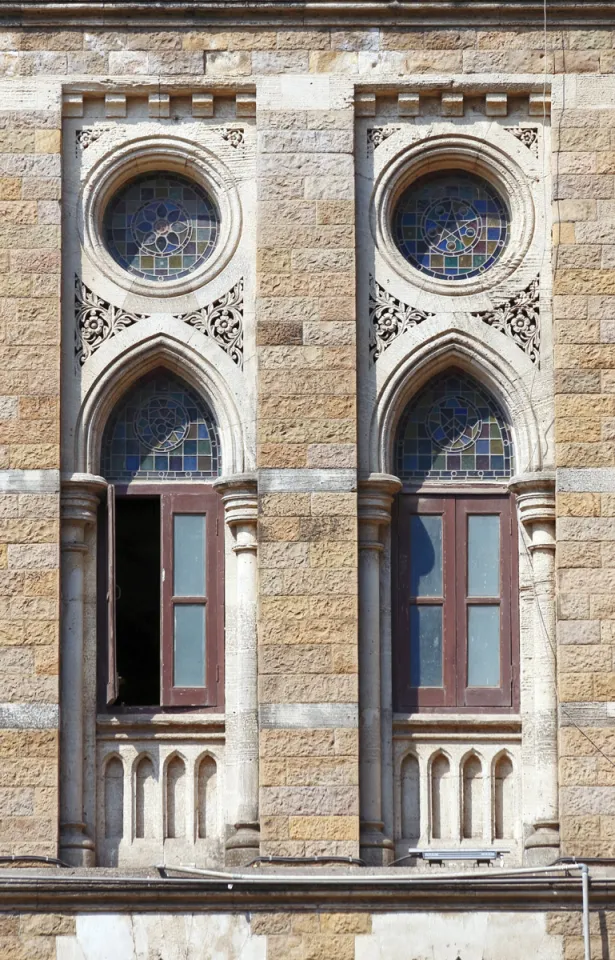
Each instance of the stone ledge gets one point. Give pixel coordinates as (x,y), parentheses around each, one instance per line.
(446,13)
(352,890)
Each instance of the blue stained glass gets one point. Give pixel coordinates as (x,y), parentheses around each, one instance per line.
(148,436)
(445,224)
(151,226)
(453,431)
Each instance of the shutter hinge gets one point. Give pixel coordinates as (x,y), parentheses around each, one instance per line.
(217,525)
(218,673)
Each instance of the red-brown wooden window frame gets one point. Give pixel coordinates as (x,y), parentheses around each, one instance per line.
(455,695)
(174,499)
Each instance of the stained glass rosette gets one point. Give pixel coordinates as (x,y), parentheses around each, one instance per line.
(451,226)
(161,226)
(453,431)
(162,431)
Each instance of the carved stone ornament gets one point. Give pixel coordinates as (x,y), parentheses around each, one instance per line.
(528,136)
(88,135)
(388,318)
(519,319)
(377,135)
(222,320)
(233,135)
(96,321)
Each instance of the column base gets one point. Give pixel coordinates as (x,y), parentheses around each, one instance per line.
(243,845)
(76,848)
(376,849)
(542,846)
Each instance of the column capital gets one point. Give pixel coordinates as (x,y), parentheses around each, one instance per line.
(535,493)
(80,496)
(240,499)
(376,494)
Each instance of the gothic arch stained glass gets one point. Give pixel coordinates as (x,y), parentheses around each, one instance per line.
(451,225)
(161,431)
(453,430)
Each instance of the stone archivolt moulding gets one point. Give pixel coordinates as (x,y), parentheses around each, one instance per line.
(388,318)
(517,318)
(96,321)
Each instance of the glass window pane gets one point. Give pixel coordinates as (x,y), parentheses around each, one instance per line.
(484,555)
(484,646)
(425,556)
(426,646)
(189,645)
(189,555)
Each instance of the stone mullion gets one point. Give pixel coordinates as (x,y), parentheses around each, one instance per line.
(307,471)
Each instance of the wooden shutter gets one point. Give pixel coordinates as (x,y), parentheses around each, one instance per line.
(112,679)
(205,503)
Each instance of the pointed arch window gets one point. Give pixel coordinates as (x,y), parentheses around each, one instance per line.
(456,552)
(162,555)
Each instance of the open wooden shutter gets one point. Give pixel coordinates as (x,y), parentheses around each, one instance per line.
(112,679)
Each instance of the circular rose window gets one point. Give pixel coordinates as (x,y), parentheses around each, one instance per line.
(451,225)
(161,226)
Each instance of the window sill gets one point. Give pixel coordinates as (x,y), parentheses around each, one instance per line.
(159,725)
(460,724)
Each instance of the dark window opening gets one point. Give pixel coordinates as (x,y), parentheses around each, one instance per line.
(138,600)
(161,609)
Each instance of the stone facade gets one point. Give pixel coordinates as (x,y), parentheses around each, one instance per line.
(307,337)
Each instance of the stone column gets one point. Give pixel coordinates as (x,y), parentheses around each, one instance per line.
(536,507)
(241,698)
(79,506)
(375,500)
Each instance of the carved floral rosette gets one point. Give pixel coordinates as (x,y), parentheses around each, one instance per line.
(519,319)
(222,320)
(96,320)
(388,318)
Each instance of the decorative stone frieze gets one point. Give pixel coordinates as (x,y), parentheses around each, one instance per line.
(388,318)
(519,319)
(222,320)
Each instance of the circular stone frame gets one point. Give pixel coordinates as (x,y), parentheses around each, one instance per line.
(448,153)
(164,155)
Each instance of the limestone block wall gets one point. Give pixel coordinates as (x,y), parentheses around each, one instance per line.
(584,206)
(307,467)
(29,462)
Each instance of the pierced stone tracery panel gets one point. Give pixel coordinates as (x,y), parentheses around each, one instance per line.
(97,320)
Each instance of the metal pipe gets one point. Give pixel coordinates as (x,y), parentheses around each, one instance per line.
(365,879)
(585,887)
